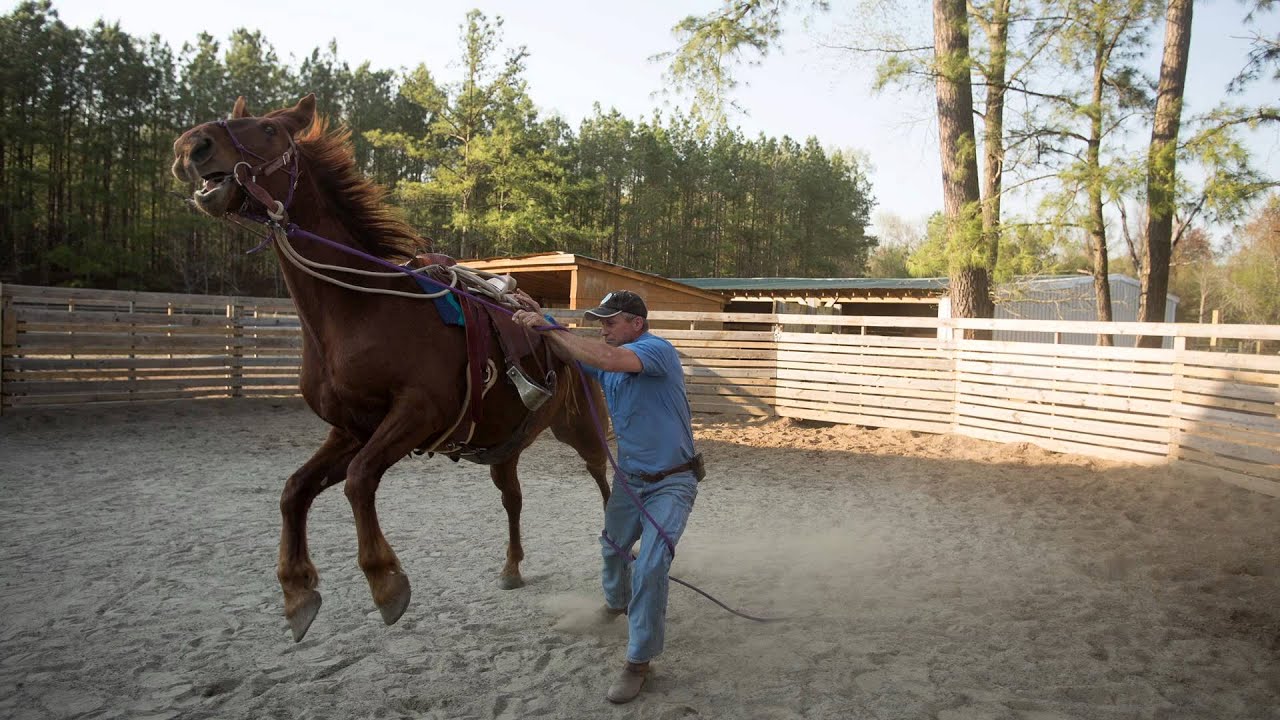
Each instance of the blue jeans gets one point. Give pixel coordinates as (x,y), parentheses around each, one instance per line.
(641,586)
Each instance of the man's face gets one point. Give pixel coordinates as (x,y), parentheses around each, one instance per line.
(621,328)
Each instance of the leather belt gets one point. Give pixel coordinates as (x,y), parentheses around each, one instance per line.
(655,477)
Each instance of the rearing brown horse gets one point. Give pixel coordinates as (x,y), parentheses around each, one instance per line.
(385,371)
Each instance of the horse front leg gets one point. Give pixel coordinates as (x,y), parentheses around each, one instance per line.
(398,434)
(505,478)
(297,574)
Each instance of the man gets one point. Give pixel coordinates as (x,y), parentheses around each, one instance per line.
(644,387)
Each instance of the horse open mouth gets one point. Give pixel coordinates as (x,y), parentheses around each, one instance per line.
(213,181)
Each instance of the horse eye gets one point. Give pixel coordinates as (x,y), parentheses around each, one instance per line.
(269,129)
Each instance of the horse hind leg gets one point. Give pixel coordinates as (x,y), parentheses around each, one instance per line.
(297,574)
(575,426)
(508,482)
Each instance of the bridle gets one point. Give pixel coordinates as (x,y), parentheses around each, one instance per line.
(246,175)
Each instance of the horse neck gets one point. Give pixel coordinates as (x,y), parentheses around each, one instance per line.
(316,299)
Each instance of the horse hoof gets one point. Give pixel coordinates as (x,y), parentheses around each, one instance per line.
(392,610)
(510,582)
(302,617)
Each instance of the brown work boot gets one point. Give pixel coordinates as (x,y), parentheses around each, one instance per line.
(608,614)
(630,680)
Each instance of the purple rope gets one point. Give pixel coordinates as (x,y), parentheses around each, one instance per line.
(236,141)
(618,473)
(295,231)
(293,176)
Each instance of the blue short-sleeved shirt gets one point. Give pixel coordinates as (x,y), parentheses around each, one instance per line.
(650,410)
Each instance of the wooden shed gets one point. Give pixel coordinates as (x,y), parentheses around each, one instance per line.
(577,282)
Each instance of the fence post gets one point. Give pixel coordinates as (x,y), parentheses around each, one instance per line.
(8,337)
(235,361)
(947,338)
(71,307)
(133,346)
(1175,404)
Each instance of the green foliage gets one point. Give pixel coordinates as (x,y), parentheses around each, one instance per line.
(895,70)
(952,245)
(889,262)
(1024,250)
(1253,274)
(1037,250)
(88,118)
(1082,124)
(930,258)
(712,45)
(1231,183)
(659,194)
(1264,53)
(254,71)
(896,238)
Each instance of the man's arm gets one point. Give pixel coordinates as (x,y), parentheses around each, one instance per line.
(594,352)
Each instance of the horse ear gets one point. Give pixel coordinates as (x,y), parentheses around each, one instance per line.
(301,115)
(240,110)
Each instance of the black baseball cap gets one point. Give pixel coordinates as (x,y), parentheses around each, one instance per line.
(620,301)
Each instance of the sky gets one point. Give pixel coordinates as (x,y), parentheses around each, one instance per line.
(583,52)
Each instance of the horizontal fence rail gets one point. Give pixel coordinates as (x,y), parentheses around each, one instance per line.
(1216,410)
(64,346)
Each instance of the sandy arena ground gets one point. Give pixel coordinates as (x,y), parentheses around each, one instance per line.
(933,577)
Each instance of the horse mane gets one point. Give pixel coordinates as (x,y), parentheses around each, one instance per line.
(359,202)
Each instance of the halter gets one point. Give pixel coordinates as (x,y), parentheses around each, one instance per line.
(276,210)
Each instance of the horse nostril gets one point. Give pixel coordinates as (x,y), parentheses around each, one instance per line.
(202,150)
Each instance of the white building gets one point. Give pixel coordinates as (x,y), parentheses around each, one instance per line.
(1059,297)
(1070,297)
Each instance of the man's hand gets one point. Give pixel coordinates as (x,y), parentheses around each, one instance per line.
(525,301)
(529,319)
(531,315)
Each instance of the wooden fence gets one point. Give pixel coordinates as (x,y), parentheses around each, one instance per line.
(1214,409)
(66,346)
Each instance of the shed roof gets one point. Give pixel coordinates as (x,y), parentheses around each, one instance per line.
(1060,282)
(937,284)
(557,261)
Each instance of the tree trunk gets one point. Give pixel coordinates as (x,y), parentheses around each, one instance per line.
(993,125)
(1162,166)
(971,297)
(1097,224)
(970,261)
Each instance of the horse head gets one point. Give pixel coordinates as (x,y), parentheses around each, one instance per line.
(227,159)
